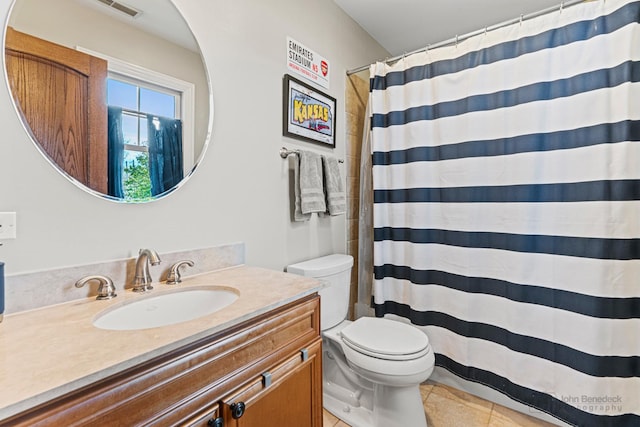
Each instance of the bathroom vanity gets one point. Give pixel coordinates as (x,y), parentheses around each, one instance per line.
(256,362)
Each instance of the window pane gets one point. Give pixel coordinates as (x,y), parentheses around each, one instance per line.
(157,103)
(135,181)
(131,159)
(144,138)
(122,94)
(130,129)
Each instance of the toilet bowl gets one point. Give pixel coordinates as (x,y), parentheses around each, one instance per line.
(372,367)
(387,377)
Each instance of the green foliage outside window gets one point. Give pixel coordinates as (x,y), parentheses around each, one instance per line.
(137,184)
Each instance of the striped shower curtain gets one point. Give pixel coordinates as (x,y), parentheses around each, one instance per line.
(506,175)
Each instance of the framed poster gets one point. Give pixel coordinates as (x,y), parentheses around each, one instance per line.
(308,114)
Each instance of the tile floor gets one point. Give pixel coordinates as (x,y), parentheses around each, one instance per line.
(448,407)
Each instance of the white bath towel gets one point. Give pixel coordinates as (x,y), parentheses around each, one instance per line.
(336,197)
(309,183)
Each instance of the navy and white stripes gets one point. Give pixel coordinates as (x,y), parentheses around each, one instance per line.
(506,176)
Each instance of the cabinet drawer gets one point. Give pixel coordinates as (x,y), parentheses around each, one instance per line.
(185,385)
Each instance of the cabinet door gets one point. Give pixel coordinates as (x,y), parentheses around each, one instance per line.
(288,395)
(61,93)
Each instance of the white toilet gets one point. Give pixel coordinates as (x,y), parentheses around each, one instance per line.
(372,367)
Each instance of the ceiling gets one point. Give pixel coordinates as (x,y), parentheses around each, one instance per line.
(156,17)
(402,26)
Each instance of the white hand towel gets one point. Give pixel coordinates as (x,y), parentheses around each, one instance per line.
(310,183)
(336,197)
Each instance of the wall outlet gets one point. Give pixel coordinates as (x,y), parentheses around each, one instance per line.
(7,225)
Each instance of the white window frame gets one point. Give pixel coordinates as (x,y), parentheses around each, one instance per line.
(187,104)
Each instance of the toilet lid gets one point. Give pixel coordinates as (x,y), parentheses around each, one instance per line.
(385,339)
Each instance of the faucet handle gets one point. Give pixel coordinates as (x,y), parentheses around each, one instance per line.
(173,278)
(106,290)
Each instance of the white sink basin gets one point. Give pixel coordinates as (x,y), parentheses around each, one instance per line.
(166,309)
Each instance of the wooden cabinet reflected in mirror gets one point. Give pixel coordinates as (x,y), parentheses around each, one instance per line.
(61,94)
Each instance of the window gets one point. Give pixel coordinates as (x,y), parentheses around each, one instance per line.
(137,100)
(151,84)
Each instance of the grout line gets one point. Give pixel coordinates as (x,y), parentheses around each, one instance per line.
(493,405)
(424,401)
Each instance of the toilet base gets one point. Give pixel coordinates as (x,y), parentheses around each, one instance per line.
(344,394)
(355,416)
(392,407)
(398,407)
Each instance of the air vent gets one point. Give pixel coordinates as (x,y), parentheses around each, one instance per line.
(121,7)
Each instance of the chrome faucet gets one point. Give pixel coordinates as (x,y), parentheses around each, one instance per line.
(142,280)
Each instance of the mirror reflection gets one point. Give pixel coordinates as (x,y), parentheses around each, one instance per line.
(115,94)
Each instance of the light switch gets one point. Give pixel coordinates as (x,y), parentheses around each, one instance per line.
(7,225)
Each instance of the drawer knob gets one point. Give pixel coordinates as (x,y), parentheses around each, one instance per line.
(215,422)
(237,409)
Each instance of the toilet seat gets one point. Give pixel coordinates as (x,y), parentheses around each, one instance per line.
(385,339)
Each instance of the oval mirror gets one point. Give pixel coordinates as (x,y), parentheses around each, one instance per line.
(114,94)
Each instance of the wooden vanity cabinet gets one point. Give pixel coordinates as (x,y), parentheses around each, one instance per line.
(264,372)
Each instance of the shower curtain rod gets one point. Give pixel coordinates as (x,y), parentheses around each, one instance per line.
(457,39)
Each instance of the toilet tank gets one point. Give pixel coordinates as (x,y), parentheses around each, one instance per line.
(334,271)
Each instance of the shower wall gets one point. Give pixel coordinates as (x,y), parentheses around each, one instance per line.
(357,93)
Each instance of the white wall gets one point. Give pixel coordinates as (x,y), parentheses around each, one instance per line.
(241,190)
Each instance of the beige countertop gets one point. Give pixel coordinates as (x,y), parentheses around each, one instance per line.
(48,352)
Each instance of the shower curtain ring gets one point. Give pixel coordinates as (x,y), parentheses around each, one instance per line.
(561,6)
(456,40)
(521,17)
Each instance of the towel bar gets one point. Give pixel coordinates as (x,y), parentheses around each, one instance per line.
(285,152)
